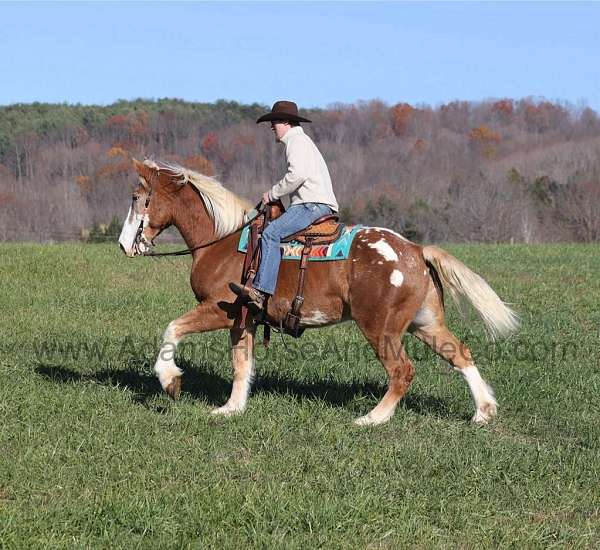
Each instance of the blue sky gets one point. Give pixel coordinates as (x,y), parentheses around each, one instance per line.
(315,53)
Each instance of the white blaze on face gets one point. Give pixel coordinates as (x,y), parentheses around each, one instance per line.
(129,231)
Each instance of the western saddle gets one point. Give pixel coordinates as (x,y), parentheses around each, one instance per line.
(323,231)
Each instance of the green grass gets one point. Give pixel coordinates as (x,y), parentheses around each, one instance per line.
(93,455)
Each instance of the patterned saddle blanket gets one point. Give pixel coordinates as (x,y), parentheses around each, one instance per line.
(338,250)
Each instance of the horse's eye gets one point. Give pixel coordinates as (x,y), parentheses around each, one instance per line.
(135,198)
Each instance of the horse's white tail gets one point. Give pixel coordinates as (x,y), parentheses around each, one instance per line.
(498,318)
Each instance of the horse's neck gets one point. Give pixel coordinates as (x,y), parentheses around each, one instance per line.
(193,222)
(191,219)
(197,228)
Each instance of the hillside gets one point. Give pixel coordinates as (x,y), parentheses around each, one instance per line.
(505,170)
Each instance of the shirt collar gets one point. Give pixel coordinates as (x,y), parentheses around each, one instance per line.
(296,130)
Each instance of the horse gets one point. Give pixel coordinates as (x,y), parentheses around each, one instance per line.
(388,286)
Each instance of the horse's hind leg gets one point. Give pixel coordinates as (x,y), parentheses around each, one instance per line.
(430,327)
(387,343)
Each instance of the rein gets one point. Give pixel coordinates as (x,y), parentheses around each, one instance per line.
(187,251)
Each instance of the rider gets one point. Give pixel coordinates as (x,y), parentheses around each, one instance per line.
(308,184)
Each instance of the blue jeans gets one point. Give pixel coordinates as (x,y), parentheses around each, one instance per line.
(295,218)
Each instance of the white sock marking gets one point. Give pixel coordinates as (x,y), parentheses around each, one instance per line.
(165,367)
(483,395)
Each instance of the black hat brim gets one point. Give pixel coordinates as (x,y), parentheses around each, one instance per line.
(281,116)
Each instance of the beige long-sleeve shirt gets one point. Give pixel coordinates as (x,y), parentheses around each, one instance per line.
(307,178)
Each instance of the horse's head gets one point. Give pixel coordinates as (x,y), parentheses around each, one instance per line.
(151,210)
(205,211)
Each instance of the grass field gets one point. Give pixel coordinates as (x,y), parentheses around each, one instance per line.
(93,455)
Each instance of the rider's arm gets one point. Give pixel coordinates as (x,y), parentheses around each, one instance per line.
(298,157)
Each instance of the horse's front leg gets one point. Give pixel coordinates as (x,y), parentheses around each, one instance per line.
(203,318)
(242,352)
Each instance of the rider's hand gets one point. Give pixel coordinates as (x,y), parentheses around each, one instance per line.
(265,197)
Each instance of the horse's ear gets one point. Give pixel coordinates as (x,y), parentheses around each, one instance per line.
(137,165)
(143,170)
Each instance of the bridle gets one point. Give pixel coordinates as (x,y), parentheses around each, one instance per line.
(139,235)
(141,240)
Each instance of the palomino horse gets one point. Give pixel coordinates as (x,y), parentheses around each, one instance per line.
(388,286)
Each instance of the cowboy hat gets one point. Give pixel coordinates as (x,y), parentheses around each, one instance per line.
(283,110)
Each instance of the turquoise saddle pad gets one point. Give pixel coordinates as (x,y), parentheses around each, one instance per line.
(338,250)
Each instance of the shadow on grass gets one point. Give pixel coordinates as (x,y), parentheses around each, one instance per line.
(200,383)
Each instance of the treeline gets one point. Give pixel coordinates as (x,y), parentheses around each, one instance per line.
(497,171)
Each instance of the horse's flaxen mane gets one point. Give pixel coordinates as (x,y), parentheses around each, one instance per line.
(225,208)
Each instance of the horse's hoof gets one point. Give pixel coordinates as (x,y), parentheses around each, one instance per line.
(363,421)
(484,414)
(226,410)
(370,420)
(174,388)
(479,419)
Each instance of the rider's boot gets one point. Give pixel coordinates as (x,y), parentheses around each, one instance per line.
(255,298)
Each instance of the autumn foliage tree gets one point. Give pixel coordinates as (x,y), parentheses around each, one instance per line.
(503,110)
(484,139)
(200,164)
(544,116)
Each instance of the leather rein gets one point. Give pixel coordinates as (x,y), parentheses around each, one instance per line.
(139,237)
